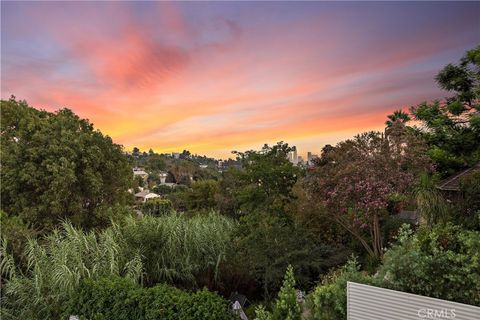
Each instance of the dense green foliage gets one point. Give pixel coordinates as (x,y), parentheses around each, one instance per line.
(177,249)
(329,299)
(57,166)
(202,195)
(157,207)
(266,180)
(15,234)
(269,243)
(286,306)
(55,267)
(443,262)
(171,248)
(452,127)
(119,298)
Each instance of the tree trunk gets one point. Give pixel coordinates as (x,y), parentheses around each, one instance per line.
(367,247)
(377,237)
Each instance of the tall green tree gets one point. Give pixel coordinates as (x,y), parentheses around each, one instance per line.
(155,162)
(266,179)
(202,195)
(287,307)
(57,166)
(267,243)
(452,126)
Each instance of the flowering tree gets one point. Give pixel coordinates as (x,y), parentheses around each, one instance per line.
(357,179)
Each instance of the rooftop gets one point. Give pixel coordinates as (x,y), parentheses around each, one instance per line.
(453,183)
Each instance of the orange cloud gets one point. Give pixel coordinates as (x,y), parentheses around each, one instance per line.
(171,76)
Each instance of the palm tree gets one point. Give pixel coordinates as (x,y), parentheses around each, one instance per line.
(398,116)
(431,205)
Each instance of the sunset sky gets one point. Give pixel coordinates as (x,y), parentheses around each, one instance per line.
(214,77)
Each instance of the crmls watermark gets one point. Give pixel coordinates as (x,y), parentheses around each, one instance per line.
(426,313)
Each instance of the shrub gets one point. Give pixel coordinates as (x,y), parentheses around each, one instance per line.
(443,262)
(262,314)
(157,207)
(119,298)
(163,189)
(330,297)
(286,306)
(204,304)
(104,298)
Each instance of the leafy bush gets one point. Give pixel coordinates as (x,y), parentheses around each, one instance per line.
(443,262)
(286,307)
(202,195)
(329,299)
(119,298)
(262,314)
(204,304)
(163,189)
(157,207)
(104,298)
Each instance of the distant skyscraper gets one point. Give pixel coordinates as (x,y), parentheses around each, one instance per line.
(292,156)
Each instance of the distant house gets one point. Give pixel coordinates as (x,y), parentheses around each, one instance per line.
(450,187)
(139,172)
(143,196)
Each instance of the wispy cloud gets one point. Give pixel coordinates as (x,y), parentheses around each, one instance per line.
(221,76)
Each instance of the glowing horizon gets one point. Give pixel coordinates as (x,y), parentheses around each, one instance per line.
(214,77)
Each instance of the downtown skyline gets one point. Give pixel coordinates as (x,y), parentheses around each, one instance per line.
(214,77)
